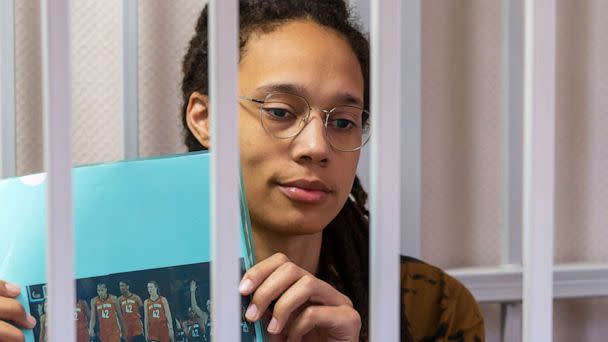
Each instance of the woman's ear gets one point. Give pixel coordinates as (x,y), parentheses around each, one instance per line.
(197,117)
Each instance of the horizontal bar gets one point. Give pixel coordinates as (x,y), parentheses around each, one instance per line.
(491,284)
(504,284)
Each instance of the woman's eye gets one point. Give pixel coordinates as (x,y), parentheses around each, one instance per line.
(278,113)
(342,124)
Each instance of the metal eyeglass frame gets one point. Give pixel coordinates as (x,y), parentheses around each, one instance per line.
(306,118)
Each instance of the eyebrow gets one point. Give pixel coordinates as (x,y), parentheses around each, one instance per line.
(342,98)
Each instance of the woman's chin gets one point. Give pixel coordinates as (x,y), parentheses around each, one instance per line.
(293,227)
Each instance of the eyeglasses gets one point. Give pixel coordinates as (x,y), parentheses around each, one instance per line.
(284,116)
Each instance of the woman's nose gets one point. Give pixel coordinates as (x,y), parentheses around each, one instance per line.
(311,143)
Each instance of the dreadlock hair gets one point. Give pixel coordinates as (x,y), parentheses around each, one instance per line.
(344,251)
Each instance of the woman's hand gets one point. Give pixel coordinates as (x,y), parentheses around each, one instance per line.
(11,311)
(306,308)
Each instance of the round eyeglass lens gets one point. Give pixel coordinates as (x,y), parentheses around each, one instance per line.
(283,115)
(347,128)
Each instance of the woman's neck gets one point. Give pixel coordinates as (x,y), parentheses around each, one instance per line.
(303,250)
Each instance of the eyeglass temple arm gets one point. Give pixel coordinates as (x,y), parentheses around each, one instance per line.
(251,99)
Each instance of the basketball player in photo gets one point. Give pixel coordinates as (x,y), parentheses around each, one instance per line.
(105,308)
(194,328)
(130,307)
(198,317)
(180,330)
(43,325)
(157,316)
(82,313)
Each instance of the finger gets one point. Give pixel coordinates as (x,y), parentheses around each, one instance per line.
(260,271)
(272,287)
(276,338)
(9,290)
(11,310)
(339,323)
(9,333)
(307,289)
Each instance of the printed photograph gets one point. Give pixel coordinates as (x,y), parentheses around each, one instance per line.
(171,304)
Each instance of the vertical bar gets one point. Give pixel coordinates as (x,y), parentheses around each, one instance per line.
(411,126)
(130,79)
(7,89)
(513,107)
(57,156)
(385,169)
(363,11)
(511,326)
(539,169)
(223,60)
(360,10)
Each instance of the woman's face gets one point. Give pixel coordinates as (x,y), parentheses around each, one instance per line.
(322,67)
(297,185)
(102,291)
(152,290)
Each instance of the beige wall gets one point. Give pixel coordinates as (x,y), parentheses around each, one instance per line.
(462,136)
(461,132)
(462,125)
(96,45)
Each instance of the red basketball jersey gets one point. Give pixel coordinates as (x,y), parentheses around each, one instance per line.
(157,320)
(82,324)
(129,308)
(108,321)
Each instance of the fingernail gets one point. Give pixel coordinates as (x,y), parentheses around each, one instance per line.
(252,312)
(273,326)
(246,286)
(31,320)
(12,289)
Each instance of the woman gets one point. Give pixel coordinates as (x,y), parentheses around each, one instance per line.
(158,322)
(106,310)
(304,95)
(198,318)
(43,325)
(82,314)
(130,307)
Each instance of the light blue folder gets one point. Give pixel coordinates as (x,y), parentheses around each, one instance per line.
(128,216)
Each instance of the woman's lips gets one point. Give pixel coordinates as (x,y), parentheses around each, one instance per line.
(305,195)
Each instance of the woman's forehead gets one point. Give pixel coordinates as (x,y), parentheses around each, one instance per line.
(301,54)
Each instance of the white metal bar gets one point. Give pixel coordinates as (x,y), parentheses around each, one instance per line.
(411,126)
(539,170)
(505,284)
(363,11)
(501,284)
(580,281)
(7,89)
(385,169)
(223,60)
(511,317)
(57,115)
(513,70)
(130,69)
(513,106)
